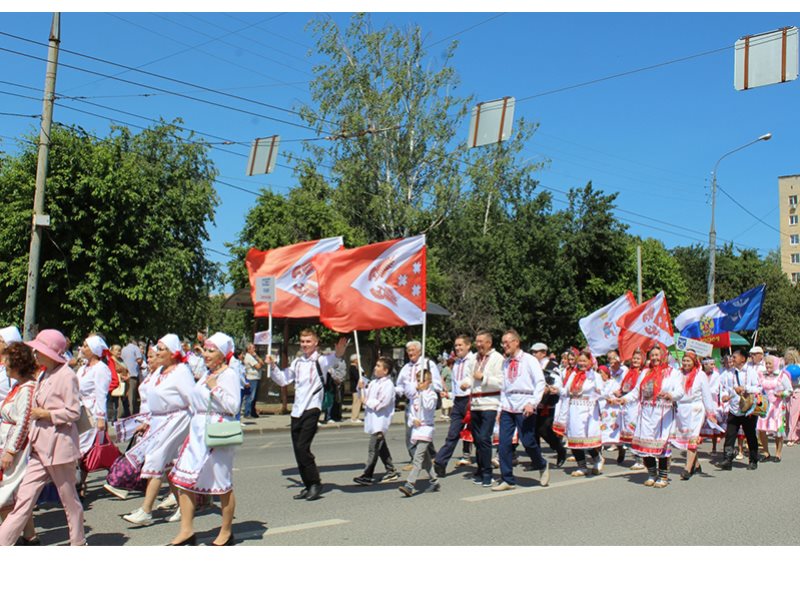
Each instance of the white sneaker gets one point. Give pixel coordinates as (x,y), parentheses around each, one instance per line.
(121,494)
(139,517)
(464,462)
(637,466)
(174,517)
(167,503)
(544,475)
(598,465)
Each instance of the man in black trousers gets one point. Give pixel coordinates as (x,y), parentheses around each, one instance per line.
(546,409)
(738,383)
(308,373)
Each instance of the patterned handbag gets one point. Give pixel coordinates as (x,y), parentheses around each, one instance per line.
(125,476)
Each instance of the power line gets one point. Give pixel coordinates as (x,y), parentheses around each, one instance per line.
(151,74)
(756,217)
(170,92)
(10,114)
(456,34)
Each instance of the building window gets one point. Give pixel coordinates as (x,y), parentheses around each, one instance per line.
(795,259)
(795,278)
(792,200)
(794,239)
(792,219)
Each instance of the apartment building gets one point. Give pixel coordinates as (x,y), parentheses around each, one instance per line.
(788,193)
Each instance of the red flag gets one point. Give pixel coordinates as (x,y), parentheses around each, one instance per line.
(645,325)
(296,293)
(719,340)
(375,286)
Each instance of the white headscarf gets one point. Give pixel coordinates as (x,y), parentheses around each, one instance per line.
(10,334)
(96,345)
(173,344)
(223,343)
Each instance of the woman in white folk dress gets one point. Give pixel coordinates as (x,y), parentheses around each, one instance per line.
(611,412)
(168,403)
(654,392)
(693,405)
(94,380)
(20,365)
(713,430)
(630,409)
(580,404)
(201,470)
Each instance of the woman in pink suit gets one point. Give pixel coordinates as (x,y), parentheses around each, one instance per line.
(792,360)
(53,440)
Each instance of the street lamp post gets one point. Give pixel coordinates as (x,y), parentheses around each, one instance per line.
(712,233)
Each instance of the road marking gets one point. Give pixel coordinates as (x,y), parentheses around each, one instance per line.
(265,446)
(304,526)
(528,490)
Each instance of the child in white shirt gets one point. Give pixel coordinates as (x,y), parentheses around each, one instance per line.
(420,419)
(379,408)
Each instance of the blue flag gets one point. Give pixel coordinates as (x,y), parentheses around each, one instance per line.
(740,314)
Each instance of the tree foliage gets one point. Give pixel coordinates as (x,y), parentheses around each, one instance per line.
(124,253)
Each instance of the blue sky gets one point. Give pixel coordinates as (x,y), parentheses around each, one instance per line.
(652,136)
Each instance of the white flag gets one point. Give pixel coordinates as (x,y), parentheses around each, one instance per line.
(600,328)
(263,338)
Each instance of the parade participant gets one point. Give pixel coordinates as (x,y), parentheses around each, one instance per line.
(709,431)
(378,411)
(580,405)
(654,391)
(777,388)
(611,412)
(756,360)
(168,400)
(615,366)
(421,419)
(53,439)
(741,380)
(546,410)
(252,367)
(194,360)
(406,386)
(307,372)
(463,365)
(132,357)
(201,470)
(694,405)
(792,361)
(20,365)
(630,408)
(94,380)
(523,387)
(484,383)
(8,335)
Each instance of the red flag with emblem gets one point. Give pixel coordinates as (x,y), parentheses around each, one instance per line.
(644,326)
(296,287)
(375,286)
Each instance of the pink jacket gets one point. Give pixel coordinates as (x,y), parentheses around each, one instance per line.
(56,442)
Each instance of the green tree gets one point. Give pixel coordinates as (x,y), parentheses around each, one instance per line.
(124,254)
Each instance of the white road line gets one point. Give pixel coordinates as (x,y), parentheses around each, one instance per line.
(265,446)
(304,526)
(528,490)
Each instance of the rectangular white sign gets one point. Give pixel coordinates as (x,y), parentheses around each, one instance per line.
(491,122)
(696,346)
(265,289)
(263,338)
(263,155)
(766,58)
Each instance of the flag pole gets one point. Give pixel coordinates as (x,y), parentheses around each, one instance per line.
(269,346)
(424,328)
(358,355)
(755,337)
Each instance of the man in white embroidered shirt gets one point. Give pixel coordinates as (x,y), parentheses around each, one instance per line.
(523,386)
(308,374)
(741,380)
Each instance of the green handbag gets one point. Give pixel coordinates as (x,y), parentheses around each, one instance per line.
(222,433)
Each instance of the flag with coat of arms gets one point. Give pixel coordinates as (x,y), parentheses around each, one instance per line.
(644,326)
(296,284)
(600,328)
(374,286)
(740,314)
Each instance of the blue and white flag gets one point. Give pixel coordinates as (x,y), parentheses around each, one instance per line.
(740,314)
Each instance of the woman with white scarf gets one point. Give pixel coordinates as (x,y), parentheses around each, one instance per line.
(200,469)
(94,379)
(168,402)
(777,388)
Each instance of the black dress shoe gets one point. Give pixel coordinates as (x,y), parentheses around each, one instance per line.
(439,469)
(561,460)
(686,475)
(621,455)
(190,541)
(314,492)
(301,495)
(725,466)
(752,466)
(231,541)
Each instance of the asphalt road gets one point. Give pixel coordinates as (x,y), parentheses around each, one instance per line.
(713,508)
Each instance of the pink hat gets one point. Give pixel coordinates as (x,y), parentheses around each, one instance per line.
(51,343)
